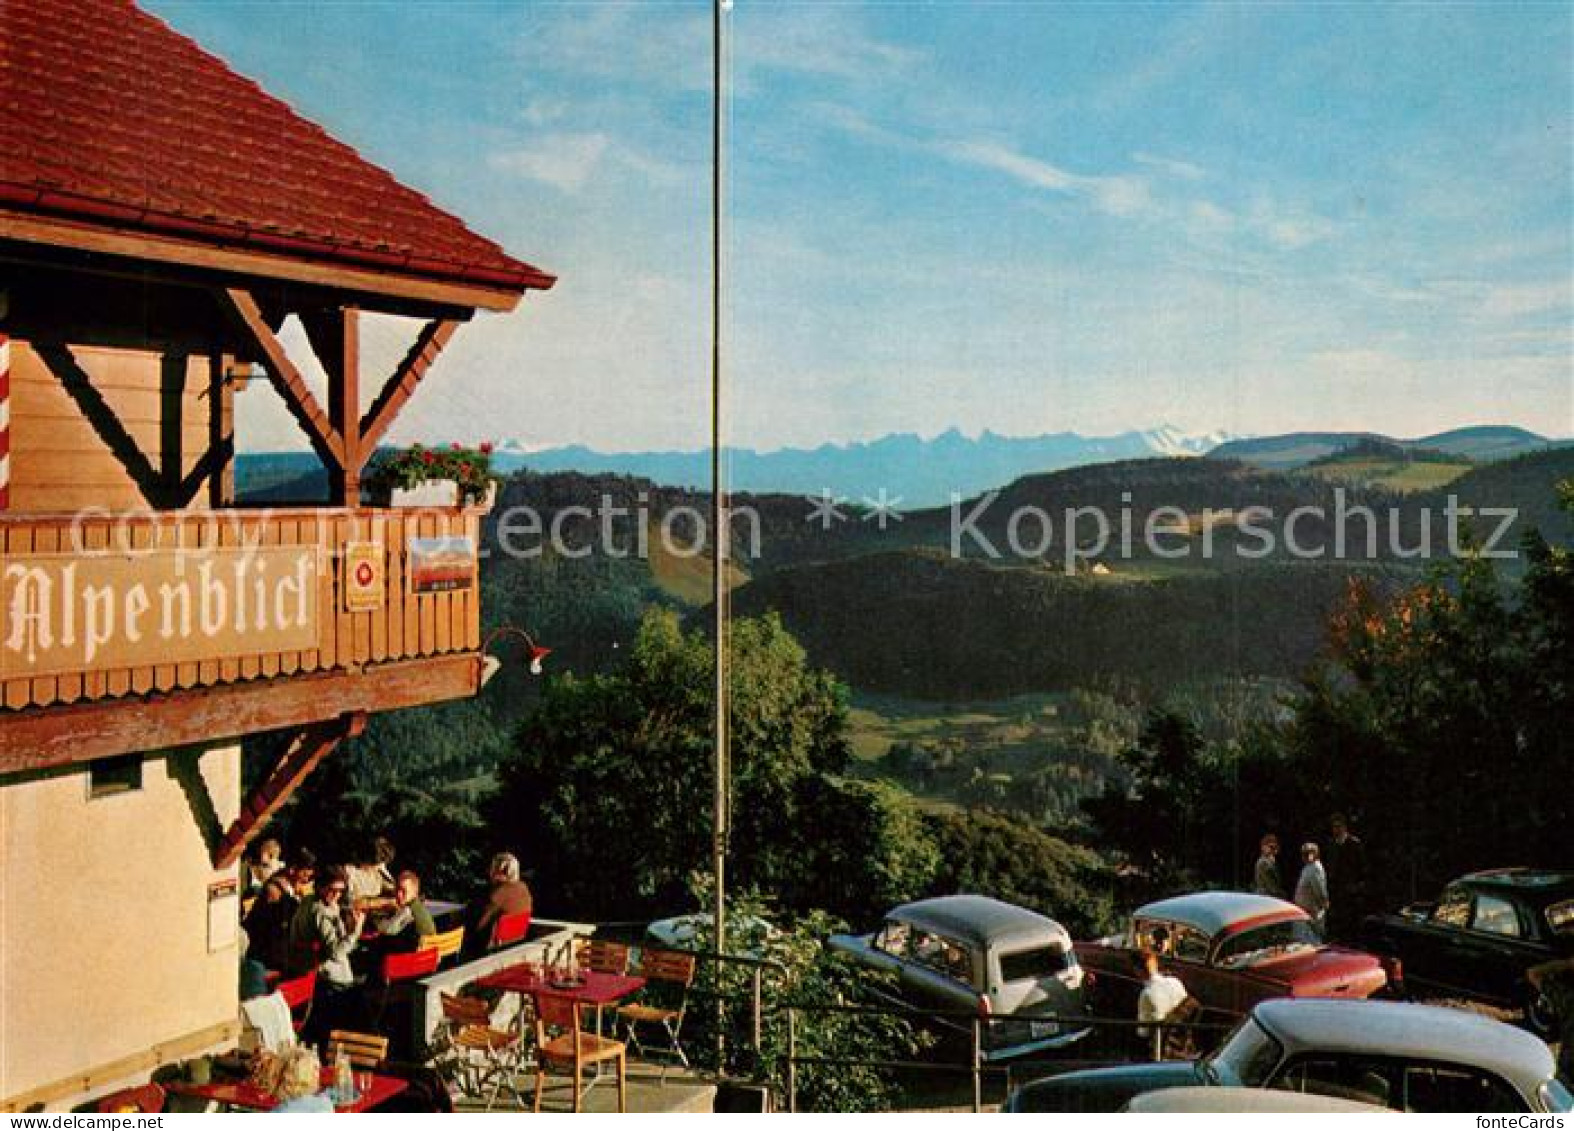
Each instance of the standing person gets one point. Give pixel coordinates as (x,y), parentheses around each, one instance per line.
(1311,890)
(1555,981)
(324,934)
(1161,995)
(1265,876)
(1347,878)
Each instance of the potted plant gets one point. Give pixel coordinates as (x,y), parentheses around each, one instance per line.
(420,476)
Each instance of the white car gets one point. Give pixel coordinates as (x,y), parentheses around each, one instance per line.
(1393,1054)
(1172,1101)
(973,955)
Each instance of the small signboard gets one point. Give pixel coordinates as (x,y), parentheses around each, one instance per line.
(441,565)
(223,914)
(365,581)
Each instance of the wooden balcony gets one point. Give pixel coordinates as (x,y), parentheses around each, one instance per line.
(194,625)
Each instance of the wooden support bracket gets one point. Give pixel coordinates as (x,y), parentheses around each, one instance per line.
(401,386)
(318,426)
(310,746)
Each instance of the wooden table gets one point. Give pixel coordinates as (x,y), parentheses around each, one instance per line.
(247,1096)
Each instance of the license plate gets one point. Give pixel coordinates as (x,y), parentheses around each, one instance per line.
(1041,1029)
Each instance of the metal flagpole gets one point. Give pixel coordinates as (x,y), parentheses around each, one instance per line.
(720,534)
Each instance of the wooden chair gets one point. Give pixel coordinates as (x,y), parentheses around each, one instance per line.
(508,929)
(298,993)
(365,1050)
(146,1100)
(473,1053)
(446,943)
(603,956)
(573,1047)
(404,967)
(674,972)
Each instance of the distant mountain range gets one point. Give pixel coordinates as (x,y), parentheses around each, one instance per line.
(921,472)
(915,472)
(1481,444)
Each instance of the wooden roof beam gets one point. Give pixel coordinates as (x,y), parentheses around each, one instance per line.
(400,387)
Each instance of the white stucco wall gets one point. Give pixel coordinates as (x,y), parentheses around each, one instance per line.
(104,921)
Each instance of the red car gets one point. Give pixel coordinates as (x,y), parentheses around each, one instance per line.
(1232,950)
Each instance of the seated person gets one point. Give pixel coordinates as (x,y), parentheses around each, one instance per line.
(268,923)
(267,860)
(373,880)
(509,896)
(324,934)
(294,1078)
(253,974)
(401,929)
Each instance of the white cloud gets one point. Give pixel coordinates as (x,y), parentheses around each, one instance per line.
(1532,298)
(1185,170)
(544,111)
(564,161)
(1118,195)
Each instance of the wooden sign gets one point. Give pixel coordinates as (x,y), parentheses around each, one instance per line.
(441,565)
(103,609)
(365,583)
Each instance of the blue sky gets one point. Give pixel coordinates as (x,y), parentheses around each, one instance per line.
(1026,217)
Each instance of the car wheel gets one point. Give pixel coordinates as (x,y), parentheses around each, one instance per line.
(1539,1014)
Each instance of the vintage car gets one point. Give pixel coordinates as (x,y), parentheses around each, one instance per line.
(1177,1101)
(1231,950)
(969,954)
(1392,1054)
(1479,938)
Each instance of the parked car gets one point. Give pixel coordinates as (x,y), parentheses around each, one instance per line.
(976,955)
(1174,1101)
(1393,1054)
(1232,950)
(1482,934)
(685,932)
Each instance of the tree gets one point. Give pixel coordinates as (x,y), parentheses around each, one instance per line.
(607,794)
(1162,815)
(991,854)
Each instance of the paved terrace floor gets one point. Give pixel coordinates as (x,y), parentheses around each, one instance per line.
(681,1092)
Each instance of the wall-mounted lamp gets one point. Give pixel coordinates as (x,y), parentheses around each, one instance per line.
(534,653)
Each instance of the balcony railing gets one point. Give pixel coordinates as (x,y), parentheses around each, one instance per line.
(100,606)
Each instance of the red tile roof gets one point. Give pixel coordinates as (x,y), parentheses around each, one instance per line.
(109,116)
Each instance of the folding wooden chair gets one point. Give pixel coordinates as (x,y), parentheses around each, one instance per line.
(508,929)
(672,973)
(473,1053)
(364,1050)
(446,943)
(603,956)
(146,1100)
(299,993)
(573,1047)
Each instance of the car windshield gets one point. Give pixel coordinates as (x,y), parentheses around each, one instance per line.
(1268,941)
(1246,1058)
(1556,1097)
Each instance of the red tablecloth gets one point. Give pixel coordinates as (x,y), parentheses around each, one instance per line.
(244,1094)
(596,988)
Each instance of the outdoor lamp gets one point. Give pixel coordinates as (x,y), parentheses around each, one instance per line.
(535,653)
